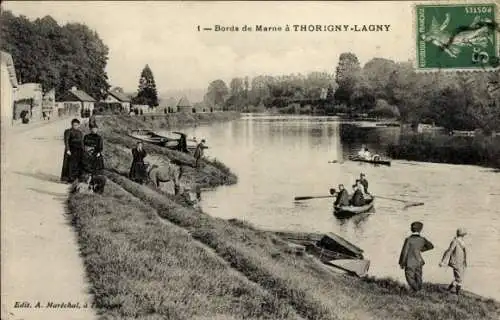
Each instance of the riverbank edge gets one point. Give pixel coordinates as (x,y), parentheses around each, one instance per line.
(259,259)
(479,150)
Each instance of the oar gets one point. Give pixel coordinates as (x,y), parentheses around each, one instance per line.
(336,161)
(311,197)
(408,203)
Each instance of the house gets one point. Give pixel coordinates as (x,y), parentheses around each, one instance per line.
(28,97)
(75,100)
(185,106)
(115,96)
(9,85)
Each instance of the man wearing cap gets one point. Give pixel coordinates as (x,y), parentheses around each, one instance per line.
(342,197)
(198,153)
(456,258)
(411,259)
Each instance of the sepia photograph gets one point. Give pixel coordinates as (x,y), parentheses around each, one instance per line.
(250,160)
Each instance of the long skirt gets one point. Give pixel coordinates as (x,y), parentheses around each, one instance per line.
(138,172)
(72,165)
(91,163)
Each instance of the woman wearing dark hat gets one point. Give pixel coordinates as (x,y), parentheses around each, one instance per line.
(73,152)
(93,161)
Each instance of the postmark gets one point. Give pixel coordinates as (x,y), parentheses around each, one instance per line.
(456,37)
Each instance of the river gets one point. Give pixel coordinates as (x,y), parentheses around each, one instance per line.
(279,157)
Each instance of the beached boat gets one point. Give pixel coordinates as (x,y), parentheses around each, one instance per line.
(332,250)
(148,136)
(372,161)
(349,211)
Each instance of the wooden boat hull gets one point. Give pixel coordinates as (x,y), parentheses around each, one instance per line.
(350,211)
(356,267)
(380,162)
(147,136)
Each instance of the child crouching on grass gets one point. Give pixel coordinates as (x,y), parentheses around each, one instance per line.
(456,258)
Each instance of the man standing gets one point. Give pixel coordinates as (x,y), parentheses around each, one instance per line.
(411,259)
(198,153)
(364,182)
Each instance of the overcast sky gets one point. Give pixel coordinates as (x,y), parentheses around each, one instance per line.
(164,35)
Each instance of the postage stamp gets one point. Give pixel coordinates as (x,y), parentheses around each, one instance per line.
(456,36)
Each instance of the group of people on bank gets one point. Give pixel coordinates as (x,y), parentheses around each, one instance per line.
(411,261)
(360,194)
(83,161)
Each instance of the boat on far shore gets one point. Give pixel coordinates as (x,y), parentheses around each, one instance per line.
(375,160)
(167,139)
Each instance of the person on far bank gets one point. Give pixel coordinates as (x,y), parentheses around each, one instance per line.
(73,152)
(198,153)
(456,258)
(411,259)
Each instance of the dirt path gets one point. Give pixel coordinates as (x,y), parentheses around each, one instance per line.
(40,258)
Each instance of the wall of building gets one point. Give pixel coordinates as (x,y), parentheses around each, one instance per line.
(7,102)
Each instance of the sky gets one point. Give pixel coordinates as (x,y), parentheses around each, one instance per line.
(165,36)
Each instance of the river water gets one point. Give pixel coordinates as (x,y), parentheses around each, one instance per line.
(279,157)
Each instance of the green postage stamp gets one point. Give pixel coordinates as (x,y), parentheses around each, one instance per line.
(457,36)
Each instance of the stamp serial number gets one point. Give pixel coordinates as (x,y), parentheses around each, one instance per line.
(478,10)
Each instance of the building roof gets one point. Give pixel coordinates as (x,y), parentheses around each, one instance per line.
(7,59)
(82,96)
(184,102)
(119,96)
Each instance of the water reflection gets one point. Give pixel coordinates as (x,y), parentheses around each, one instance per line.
(278,158)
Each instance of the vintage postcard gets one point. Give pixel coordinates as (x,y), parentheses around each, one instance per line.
(191,160)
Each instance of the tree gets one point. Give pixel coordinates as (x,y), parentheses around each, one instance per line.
(147,94)
(216,93)
(56,56)
(346,76)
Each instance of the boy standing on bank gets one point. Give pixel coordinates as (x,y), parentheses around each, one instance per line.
(456,258)
(411,259)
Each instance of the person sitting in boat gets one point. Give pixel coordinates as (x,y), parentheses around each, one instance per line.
(361,152)
(342,197)
(364,182)
(358,198)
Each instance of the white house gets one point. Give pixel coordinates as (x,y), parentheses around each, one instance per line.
(29,97)
(77,99)
(118,97)
(8,86)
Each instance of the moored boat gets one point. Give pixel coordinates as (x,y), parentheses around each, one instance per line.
(349,211)
(147,135)
(372,161)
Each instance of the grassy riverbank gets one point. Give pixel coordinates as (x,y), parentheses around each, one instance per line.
(150,257)
(480,150)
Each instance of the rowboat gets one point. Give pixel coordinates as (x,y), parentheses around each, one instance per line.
(148,136)
(372,161)
(349,211)
(332,250)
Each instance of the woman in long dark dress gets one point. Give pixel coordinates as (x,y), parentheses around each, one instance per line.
(73,152)
(93,162)
(138,170)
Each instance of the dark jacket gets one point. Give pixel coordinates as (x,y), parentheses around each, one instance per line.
(358,198)
(413,246)
(342,198)
(93,161)
(364,182)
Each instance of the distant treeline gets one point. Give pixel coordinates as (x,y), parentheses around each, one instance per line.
(454,100)
(56,56)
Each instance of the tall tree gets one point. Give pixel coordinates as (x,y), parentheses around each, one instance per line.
(216,93)
(346,75)
(147,93)
(57,57)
